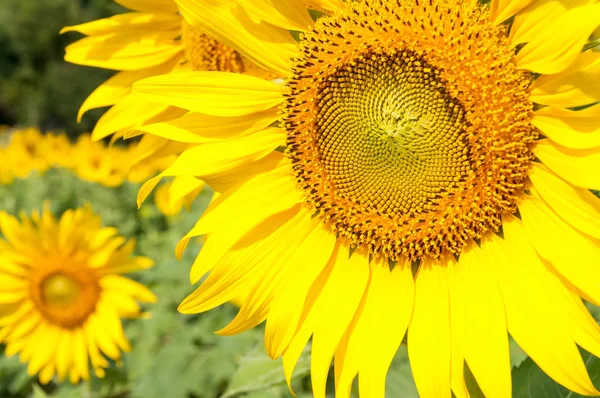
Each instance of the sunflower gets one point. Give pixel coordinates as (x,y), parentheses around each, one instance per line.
(151,40)
(423,175)
(30,151)
(62,293)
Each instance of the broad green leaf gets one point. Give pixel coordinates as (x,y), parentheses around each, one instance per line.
(529,381)
(400,381)
(258,372)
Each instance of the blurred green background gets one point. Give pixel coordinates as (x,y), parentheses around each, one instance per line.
(37,88)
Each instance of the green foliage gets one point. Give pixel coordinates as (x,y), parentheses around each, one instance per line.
(37,88)
(174,355)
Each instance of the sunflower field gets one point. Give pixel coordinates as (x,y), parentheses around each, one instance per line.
(299,198)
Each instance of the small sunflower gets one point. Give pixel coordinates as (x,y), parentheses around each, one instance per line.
(418,171)
(62,294)
(30,151)
(151,40)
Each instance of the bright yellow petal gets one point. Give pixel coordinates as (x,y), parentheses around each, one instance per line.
(576,86)
(215,158)
(386,310)
(577,206)
(291,15)
(257,302)
(429,334)
(127,113)
(242,263)
(329,311)
(197,128)
(184,186)
(556,47)
(307,263)
(579,167)
(133,22)
(129,287)
(531,21)
(485,338)
(268,46)
(327,6)
(501,10)
(550,235)
(149,5)
(118,86)
(570,129)
(120,52)
(534,308)
(212,93)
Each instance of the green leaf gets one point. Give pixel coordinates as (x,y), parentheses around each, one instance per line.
(258,372)
(400,381)
(529,381)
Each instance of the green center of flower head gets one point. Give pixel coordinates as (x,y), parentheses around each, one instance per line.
(410,137)
(60,291)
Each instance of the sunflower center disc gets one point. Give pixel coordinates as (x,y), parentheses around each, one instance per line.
(391,137)
(206,53)
(409,135)
(65,295)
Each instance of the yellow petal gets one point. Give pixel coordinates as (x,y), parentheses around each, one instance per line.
(429,334)
(307,263)
(576,86)
(184,186)
(327,6)
(118,86)
(133,22)
(265,191)
(579,167)
(570,129)
(257,303)
(235,177)
(121,52)
(242,262)
(550,236)
(80,354)
(149,5)
(485,338)
(221,241)
(536,313)
(219,157)
(127,113)
(577,206)
(212,93)
(129,287)
(197,128)
(501,10)
(270,47)
(386,310)
(531,21)
(558,44)
(63,354)
(291,15)
(333,307)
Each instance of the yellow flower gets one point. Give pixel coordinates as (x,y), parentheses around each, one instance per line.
(434,183)
(152,40)
(92,161)
(30,151)
(58,150)
(62,293)
(170,198)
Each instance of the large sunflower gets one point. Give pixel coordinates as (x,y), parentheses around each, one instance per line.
(62,294)
(434,183)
